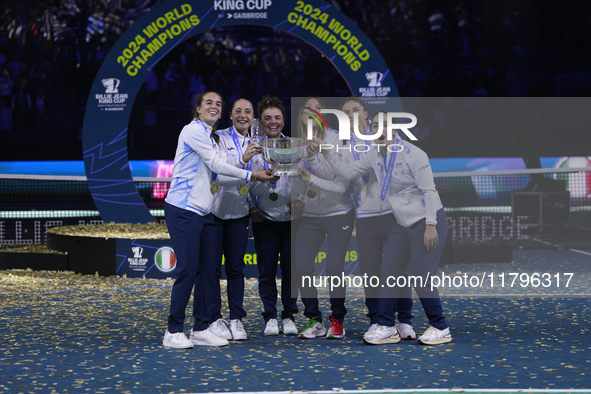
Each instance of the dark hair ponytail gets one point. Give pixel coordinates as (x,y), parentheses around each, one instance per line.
(270,102)
(198,102)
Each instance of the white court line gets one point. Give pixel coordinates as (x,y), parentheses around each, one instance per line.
(580,251)
(455,390)
(540,241)
(556,245)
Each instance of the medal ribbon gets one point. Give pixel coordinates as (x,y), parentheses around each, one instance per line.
(381,167)
(356,154)
(213,174)
(273,186)
(308,167)
(389,170)
(234,133)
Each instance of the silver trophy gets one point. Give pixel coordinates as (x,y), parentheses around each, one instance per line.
(256,131)
(284,154)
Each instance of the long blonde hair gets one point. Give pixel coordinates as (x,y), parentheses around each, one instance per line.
(302,127)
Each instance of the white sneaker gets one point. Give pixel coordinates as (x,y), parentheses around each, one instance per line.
(289,327)
(178,340)
(371,328)
(434,336)
(207,338)
(220,328)
(405,331)
(271,329)
(382,335)
(313,329)
(237,330)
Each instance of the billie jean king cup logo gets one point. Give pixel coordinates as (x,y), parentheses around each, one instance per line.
(111,85)
(345,126)
(137,252)
(374,79)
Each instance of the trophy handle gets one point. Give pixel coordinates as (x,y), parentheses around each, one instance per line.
(256,132)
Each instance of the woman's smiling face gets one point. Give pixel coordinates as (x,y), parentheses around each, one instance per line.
(210,109)
(315,105)
(272,122)
(242,115)
(350,108)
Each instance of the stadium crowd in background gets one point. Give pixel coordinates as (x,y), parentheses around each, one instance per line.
(50,52)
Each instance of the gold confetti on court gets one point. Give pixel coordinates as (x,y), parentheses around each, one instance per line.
(60,332)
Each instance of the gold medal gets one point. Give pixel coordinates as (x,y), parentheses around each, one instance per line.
(243,191)
(273,196)
(311,193)
(214,189)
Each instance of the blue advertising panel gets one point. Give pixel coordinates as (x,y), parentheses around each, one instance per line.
(155,258)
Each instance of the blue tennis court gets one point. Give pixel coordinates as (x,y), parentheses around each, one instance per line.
(65,332)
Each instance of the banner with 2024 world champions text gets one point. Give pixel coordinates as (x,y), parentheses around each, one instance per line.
(157,32)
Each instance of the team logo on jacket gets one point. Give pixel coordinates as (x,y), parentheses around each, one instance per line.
(165,259)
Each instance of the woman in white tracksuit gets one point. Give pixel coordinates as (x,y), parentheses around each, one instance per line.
(328,213)
(417,236)
(191,224)
(273,216)
(231,213)
(373,216)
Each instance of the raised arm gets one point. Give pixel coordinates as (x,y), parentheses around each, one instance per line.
(350,171)
(198,139)
(337,185)
(321,168)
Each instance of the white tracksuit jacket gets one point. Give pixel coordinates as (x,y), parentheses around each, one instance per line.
(195,159)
